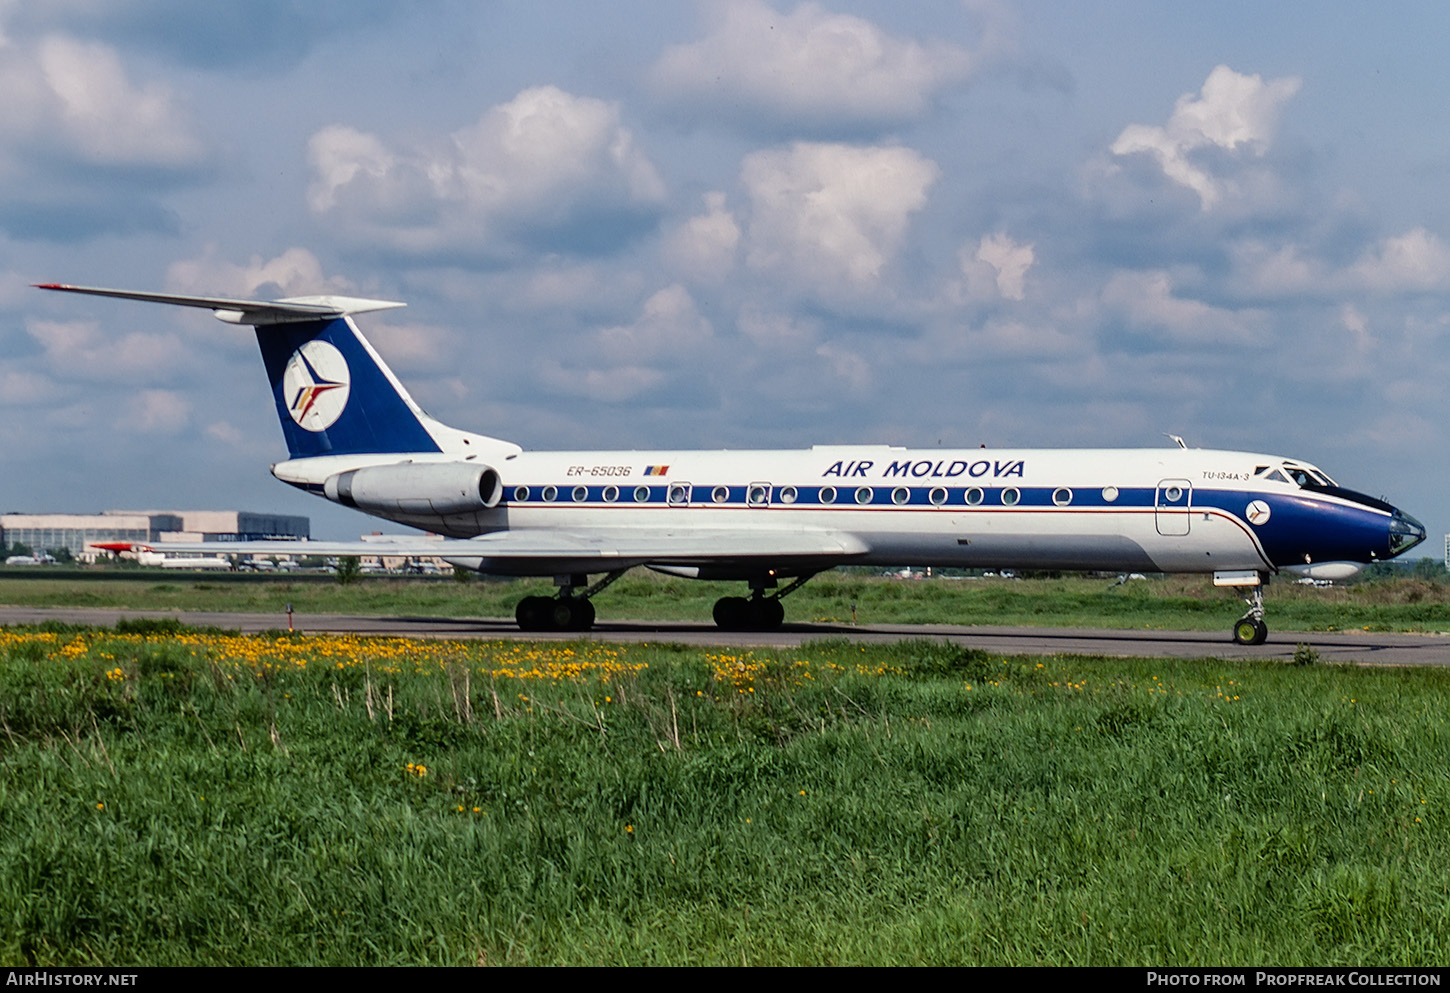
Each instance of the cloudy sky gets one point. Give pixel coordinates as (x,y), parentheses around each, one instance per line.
(731,224)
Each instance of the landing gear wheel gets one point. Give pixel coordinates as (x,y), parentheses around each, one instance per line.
(735,613)
(732,613)
(542,613)
(570,614)
(532,613)
(766,613)
(1249,631)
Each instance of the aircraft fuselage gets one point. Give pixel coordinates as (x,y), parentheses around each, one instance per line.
(1170,510)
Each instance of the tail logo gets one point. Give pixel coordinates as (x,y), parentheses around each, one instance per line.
(315,385)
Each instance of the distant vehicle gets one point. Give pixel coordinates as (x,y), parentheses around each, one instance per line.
(39,558)
(355,437)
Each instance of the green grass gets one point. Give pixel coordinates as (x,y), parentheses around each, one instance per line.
(173,798)
(1175,603)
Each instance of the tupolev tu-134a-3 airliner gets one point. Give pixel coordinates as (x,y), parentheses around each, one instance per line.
(355,437)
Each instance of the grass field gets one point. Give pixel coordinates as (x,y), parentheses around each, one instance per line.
(172,797)
(1174,603)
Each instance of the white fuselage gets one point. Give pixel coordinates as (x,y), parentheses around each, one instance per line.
(1168,510)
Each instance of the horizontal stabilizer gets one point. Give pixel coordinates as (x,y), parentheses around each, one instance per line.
(254,312)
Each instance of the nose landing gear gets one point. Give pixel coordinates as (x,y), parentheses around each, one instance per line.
(1250,629)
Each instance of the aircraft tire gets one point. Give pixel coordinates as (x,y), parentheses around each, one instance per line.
(531,613)
(1250,632)
(732,613)
(583,615)
(562,613)
(767,614)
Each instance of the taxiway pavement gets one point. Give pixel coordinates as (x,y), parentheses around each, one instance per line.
(1360,648)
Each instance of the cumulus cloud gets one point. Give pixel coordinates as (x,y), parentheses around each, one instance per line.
(832,215)
(845,364)
(82,351)
(295,272)
(624,361)
(613,385)
(22,388)
(1276,271)
(777,331)
(84,148)
(704,247)
(1147,300)
(669,326)
(227,433)
(808,67)
(1232,112)
(1416,260)
(157,412)
(546,159)
(1357,325)
(66,99)
(997,267)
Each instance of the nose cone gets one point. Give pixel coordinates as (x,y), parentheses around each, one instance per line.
(1405,533)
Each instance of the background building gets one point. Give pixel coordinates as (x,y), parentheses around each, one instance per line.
(76,532)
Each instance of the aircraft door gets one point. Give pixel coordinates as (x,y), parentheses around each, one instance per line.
(1173,506)
(757,495)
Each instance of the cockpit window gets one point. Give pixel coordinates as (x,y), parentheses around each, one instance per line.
(1277,476)
(1306,476)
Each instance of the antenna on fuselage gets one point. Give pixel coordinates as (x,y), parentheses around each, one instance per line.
(1176,439)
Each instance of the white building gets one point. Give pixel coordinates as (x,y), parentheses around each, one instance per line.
(77,532)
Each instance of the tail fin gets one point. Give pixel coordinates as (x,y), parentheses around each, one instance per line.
(334,394)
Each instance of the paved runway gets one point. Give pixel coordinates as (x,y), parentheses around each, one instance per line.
(1363,648)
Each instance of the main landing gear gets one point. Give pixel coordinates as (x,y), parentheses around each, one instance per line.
(759,612)
(566,611)
(570,609)
(1250,629)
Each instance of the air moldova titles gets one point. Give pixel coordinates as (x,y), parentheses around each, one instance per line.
(928,469)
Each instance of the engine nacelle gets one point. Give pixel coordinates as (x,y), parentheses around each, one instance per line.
(417,488)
